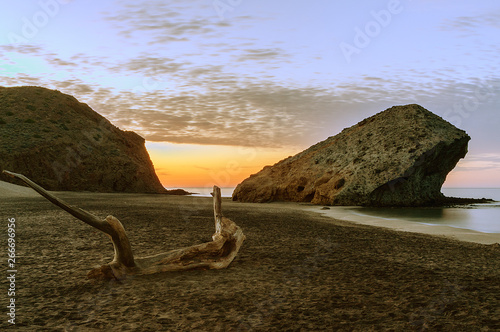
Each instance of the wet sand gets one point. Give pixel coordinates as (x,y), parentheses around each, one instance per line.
(297,270)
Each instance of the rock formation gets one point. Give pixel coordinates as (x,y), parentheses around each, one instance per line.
(63,144)
(398,157)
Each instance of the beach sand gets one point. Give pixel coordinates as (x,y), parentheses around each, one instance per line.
(297,270)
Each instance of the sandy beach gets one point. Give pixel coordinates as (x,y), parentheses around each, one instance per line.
(297,270)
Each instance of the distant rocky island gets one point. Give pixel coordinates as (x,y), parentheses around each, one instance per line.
(398,157)
(63,144)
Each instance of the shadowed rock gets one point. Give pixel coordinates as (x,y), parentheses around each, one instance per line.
(398,157)
(63,144)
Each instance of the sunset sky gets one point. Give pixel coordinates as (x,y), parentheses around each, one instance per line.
(220,88)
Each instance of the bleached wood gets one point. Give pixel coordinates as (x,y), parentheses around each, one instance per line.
(110,225)
(217,254)
(217,209)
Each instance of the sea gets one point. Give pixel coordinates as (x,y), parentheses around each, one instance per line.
(478,217)
(206,191)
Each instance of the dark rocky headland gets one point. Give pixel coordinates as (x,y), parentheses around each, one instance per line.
(63,144)
(398,157)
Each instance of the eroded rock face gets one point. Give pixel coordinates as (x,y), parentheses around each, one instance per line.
(63,144)
(398,157)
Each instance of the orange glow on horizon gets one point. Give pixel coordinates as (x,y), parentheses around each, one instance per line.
(190,165)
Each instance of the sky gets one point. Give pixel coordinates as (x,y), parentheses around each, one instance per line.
(221,88)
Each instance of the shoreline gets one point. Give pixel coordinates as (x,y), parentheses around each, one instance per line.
(461,234)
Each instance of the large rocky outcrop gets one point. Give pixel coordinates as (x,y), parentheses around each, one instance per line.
(63,144)
(398,157)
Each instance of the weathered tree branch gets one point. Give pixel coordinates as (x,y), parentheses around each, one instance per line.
(218,254)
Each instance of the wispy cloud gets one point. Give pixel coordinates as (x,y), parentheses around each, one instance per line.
(57,62)
(262,54)
(164,22)
(252,116)
(478,162)
(21,48)
(149,65)
(472,24)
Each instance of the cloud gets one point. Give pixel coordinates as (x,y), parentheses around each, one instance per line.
(472,24)
(266,115)
(90,60)
(163,171)
(478,162)
(76,63)
(57,62)
(22,48)
(21,79)
(164,22)
(148,65)
(196,30)
(262,54)
(203,168)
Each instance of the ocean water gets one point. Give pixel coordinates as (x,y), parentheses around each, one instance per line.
(479,217)
(205,191)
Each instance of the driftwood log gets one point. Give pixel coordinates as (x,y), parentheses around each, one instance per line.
(217,254)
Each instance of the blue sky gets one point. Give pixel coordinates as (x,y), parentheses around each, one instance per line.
(274,75)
